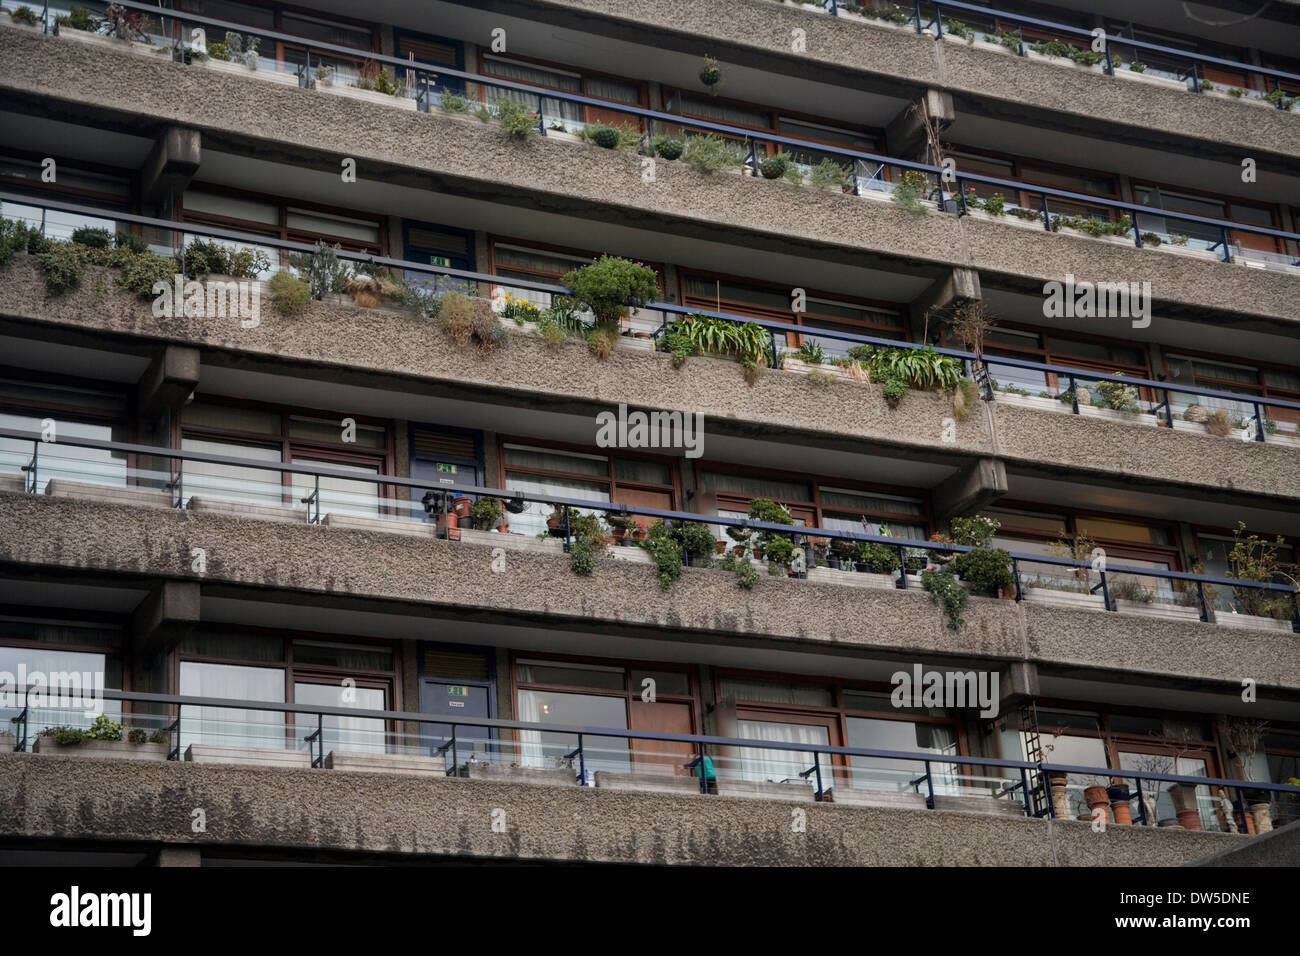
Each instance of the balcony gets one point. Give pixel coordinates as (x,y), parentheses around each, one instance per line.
(211,752)
(317,542)
(577,175)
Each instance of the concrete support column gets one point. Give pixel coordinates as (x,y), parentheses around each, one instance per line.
(905,136)
(170,379)
(956,286)
(165,617)
(973,487)
(169,167)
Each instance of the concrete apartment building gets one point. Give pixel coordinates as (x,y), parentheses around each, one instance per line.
(272,507)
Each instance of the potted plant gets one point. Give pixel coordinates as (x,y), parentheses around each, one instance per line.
(324,75)
(486,513)
(1185,807)
(872,557)
(621,527)
(607,286)
(1119,796)
(555,520)
(1096,797)
(461,504)
(710,73)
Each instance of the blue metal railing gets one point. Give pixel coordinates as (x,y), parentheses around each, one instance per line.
(427,77)
(443,492)
(1022,20)
(1164,388)
(697,743)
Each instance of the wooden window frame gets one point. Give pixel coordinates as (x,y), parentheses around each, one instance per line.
(642,88)
(609,454)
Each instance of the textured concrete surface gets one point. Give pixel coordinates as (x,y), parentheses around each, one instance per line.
(306,810)
(703,605)
(373,346)
(1279,848)
(1143,454)
(460,154)
(758,32)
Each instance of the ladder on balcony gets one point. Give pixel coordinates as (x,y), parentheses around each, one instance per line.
(1041,794)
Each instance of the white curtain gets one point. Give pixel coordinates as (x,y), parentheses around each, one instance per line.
(781,765)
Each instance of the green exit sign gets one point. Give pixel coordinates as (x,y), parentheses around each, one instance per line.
(445,469)
(439,261)
(453,691)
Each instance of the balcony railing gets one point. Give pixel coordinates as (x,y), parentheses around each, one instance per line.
(454,745)
(933,23)
(425,87)
(323,491)
(669,311)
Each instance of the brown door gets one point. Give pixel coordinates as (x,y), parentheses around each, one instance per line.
(595,114)
(634,497)
(665,717)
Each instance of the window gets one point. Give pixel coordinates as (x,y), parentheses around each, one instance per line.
(557,113)
(1127,542)
(632,481)
(739,297)
(80,412)
(215,206)
(1224,376)
(1203,235)
(591,694)
(1215,552)
(269,669)
(828,713)
(87,656)
(271,435)
(1069,179)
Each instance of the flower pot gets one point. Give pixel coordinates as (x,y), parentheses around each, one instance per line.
(720,547)
(1189,819)
(503,526)
(1058,783)
(1123,813)
(618,534)
(1262,818)
(1183,795)
(1096,797)
(1170,823)
(461,505)
(738,550)
(1083,396)
(758,554)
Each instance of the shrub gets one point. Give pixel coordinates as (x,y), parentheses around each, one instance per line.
(64,735)
(606,137)
(140,273)
(908,198)
(1219,422)
(1151,239)
(710,74)
(878,558)
(517,120)
(602,340)
(78,19)
(976,532)
(92,238)
(711,154)
(551,331)
(986,570)
(895,389)
(810,352)
(104,727)
(486,513)
(130,242)
(324,271)
(1137,66)
(62,265)
(1131,589)
(774,167)
(666,551)
(453,103)
(25,14)
(995,205)
(746,576)
(219,51)
(608,284)
(922,368)
(289,293)
(137,735)
(1119,396)
(15,236)
(829,174)
(385,84)
(944,590)
(1255,559)
(582,558)
(456,315)
(964,397)
(666,147)
(697,538)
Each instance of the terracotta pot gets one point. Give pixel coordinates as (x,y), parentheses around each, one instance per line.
(1261,817)
(720,546)
(453,534)
(618,534)
(1183,796)
(1189,819)
(640,534)
(1096,797)
(1170,823)
(461,505)
(738,550)
(451,521)
(1123,814)
(503,526)
(758,553)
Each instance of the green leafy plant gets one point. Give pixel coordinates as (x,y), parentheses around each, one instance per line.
(711,154)
(710,74)
(665,147)
(829,174)
(697,538)
(78,19)
(606,137)
(92,238)
(589,539)
(810,352)
(746,576)
(1280,99)
(289,294)
(1178,238)
(325,273)
(1151,239)
(62,265)
(25,15)
(486,513)
(64,735)
(1119,396)
(1130,589)
(666,551)
(944,590)
(876,558)
(384,83)
(775,167)
(1137,66)
(518,121)
(104,727)
(453,103)
(137,735)
(1256,559)
(607,285)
